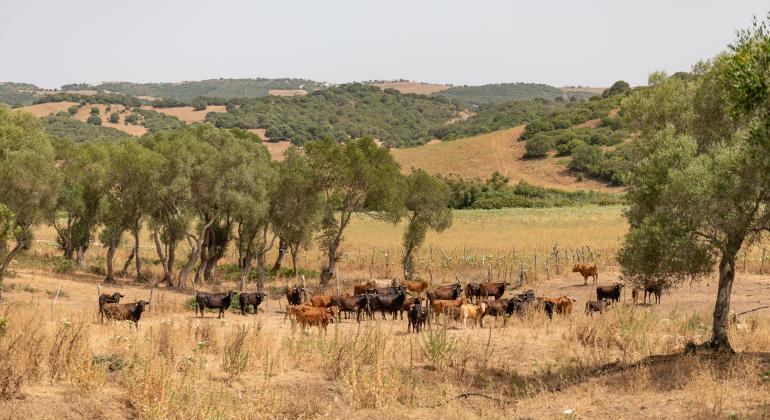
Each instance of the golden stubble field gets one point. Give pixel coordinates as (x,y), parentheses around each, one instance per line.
(57,360)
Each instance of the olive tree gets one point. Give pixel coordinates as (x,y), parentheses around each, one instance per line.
(84,169)
(132,178)
(357,176)
(297,203)
(29,181)
(426,200)
(700,188)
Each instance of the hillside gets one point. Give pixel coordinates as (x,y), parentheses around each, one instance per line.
(418,88)
(218,88)
(505,92)
(481,156)
(341,112)
(70,128)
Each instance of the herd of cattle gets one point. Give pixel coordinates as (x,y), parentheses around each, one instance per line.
(457,302)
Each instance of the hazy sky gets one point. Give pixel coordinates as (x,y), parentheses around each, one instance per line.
(460,42)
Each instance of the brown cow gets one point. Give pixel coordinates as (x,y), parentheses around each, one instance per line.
(415,286)
(321,301)
(311,316)
(587,270)
(406,306)
(472,312)
(564,305)
(440,306)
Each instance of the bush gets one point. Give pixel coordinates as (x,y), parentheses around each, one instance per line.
(63,265)
(539,146)
(94,120)
(73,109)
(95,110)
(114,118)
(200,105)
(132,119)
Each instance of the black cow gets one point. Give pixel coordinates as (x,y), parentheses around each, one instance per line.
(609,292)
(495,308)
(219,301)
(391,302)
(294,295)
(528,296)
(653,289)
(548,307)
(125,311)
(472,290)
(253,299)
(417,315)
(386,290)
(357,304)
(104,298)
(595,306)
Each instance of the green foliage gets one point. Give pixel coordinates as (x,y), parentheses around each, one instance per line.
(73,109)
(539,146)
(3,326)
(63,265)
(343,112)
(99,98)
(500,92)
(70,128)
(426,200)
(494,117)
(132,118)
(200,105)
(157,121)
(17,94)
(221,88)
(618,88)
(570,114)
(353,177)
(94,120)
(95,110)
(495,193)
(114,118)
(699,189)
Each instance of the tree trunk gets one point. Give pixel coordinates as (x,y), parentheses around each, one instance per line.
(328,272)
(261,271)
(110,258)
(282,247)
(246,269)
(137,259)
(408,262)
(294,252)
(195,249)
(168,276)
(6,261)
(719,339)
(128,262)
(81,257)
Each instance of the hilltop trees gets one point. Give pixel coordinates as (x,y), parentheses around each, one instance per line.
(426,201)
(353,177)
(29,181)
(700,190)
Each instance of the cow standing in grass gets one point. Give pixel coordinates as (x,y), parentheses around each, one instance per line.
(587,270)
(104,299)
(219,301)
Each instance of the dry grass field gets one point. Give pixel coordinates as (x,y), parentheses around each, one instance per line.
(287,92)
(58,361)
(413,87)
(480,156)
(594,90)
(187,113)
(46,109)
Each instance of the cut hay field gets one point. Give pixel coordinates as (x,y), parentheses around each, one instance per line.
(46,109)
(287,92)
(58,361)
(594,90)
(187,113)
(413,87)
(482,155)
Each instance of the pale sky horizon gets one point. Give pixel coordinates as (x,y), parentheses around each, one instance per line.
(588,43)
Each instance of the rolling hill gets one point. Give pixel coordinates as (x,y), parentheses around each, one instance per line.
(475,96)
(499,151)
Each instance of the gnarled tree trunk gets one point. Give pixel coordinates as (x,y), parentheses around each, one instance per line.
(282,248)
(719,338)
(110,260)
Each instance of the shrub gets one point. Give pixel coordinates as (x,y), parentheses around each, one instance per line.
(94,110)
(114,118)
(132,119)
(94,120)
(73,109)
(539,146)
(63,265)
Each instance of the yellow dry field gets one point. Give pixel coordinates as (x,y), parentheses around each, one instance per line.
(594,90)
(58,361)
(482,155)
(148,98)
(46,109)
(413,87)
(85,111)
(276,148)
(187,113)
(287,92)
